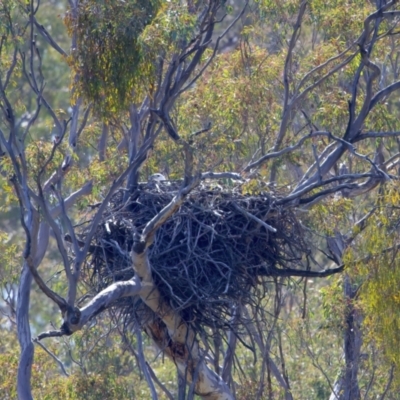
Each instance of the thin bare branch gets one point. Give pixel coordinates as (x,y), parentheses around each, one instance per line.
(46,36)
(143,364)
(382,94)
(288,61)
(286,150)
(159,383)
(258,220)
(309,74)
(53,356)
(389,383)
(205,43)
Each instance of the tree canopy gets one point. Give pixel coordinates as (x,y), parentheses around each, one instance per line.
(213,181)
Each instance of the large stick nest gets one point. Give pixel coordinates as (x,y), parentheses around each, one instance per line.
(207,257)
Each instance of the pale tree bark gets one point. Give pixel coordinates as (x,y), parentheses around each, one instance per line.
(24,289)
(171,334)
(24,336)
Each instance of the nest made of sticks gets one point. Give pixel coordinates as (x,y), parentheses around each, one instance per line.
(209,256)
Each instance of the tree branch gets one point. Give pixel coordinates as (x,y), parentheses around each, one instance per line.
(52,355)
(286,272)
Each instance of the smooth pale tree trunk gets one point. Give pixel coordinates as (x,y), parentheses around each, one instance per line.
(170,333)
(23,327)
(190,362)
(38,248)
(24,336)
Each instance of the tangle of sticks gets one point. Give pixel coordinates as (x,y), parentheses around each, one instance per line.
(220,249)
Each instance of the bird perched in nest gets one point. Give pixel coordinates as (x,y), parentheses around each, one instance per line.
(157,181)
(157,177)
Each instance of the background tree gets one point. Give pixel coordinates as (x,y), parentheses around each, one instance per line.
(183,172)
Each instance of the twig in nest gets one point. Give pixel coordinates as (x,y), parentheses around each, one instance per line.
(264,224)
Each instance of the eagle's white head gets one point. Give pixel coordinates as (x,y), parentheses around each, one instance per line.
(157,178)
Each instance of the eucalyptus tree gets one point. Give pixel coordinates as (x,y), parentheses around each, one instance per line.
(251,148)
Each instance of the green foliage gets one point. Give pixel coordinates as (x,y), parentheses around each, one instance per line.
(8,375)
(172,27)
(119,46)
(379,273)
(108,60)
(105,382)
(10,14)
(94,386)
(332,215)
(9,260)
